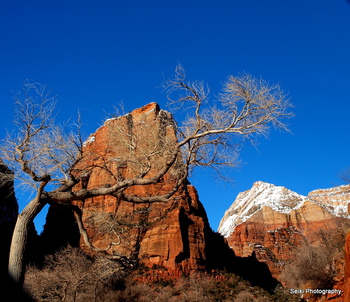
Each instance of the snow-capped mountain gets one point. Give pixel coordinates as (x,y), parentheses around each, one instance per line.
(271,221)
(262,194)
(280,199)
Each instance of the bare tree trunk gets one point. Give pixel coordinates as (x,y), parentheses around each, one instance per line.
(20,237)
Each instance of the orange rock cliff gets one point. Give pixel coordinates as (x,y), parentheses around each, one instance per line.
(264,223)
(173,234)
(271,221)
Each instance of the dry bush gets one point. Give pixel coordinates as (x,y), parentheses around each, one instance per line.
(62,277)
(69,275)
(245,296)
(195,288)
(202,287)
(315,264)
(311,265)
(145,292)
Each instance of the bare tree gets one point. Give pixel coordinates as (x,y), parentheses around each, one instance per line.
(345,175)
(246,108)
(40,153)
(55,162)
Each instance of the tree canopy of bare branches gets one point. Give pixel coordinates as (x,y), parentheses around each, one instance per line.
(50,157)
(39,148)
(246,108)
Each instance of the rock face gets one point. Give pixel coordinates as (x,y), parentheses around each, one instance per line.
(346,285)
(170,235)
(8,214)
(270,221)
(336,199)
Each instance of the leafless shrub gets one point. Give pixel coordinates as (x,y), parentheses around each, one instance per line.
(245,296)
(310,266)
(315,264)
(144,292)
(62,278)
(69,275)
(195,288)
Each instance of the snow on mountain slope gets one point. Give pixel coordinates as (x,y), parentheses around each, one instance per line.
(335,200)
(283,200)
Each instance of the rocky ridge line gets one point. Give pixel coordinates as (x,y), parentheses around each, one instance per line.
(271,221)
(280,199)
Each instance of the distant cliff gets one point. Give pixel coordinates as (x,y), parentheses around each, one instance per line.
(271,221)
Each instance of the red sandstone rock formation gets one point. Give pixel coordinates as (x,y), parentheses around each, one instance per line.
(171,234)
(271,221)
(346,285)
(337,201)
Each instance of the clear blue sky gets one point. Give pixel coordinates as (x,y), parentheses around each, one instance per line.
(97,53)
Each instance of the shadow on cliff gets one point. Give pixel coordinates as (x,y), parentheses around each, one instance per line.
(222,257)
(60,231)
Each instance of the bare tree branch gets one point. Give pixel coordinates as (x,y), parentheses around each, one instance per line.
(345,175)
(40,147)
(246,109)
(134,152)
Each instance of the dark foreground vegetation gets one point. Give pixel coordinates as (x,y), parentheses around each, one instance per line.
(70,275)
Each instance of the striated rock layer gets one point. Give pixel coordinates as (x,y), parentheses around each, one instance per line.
(170,235)
(271,221)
